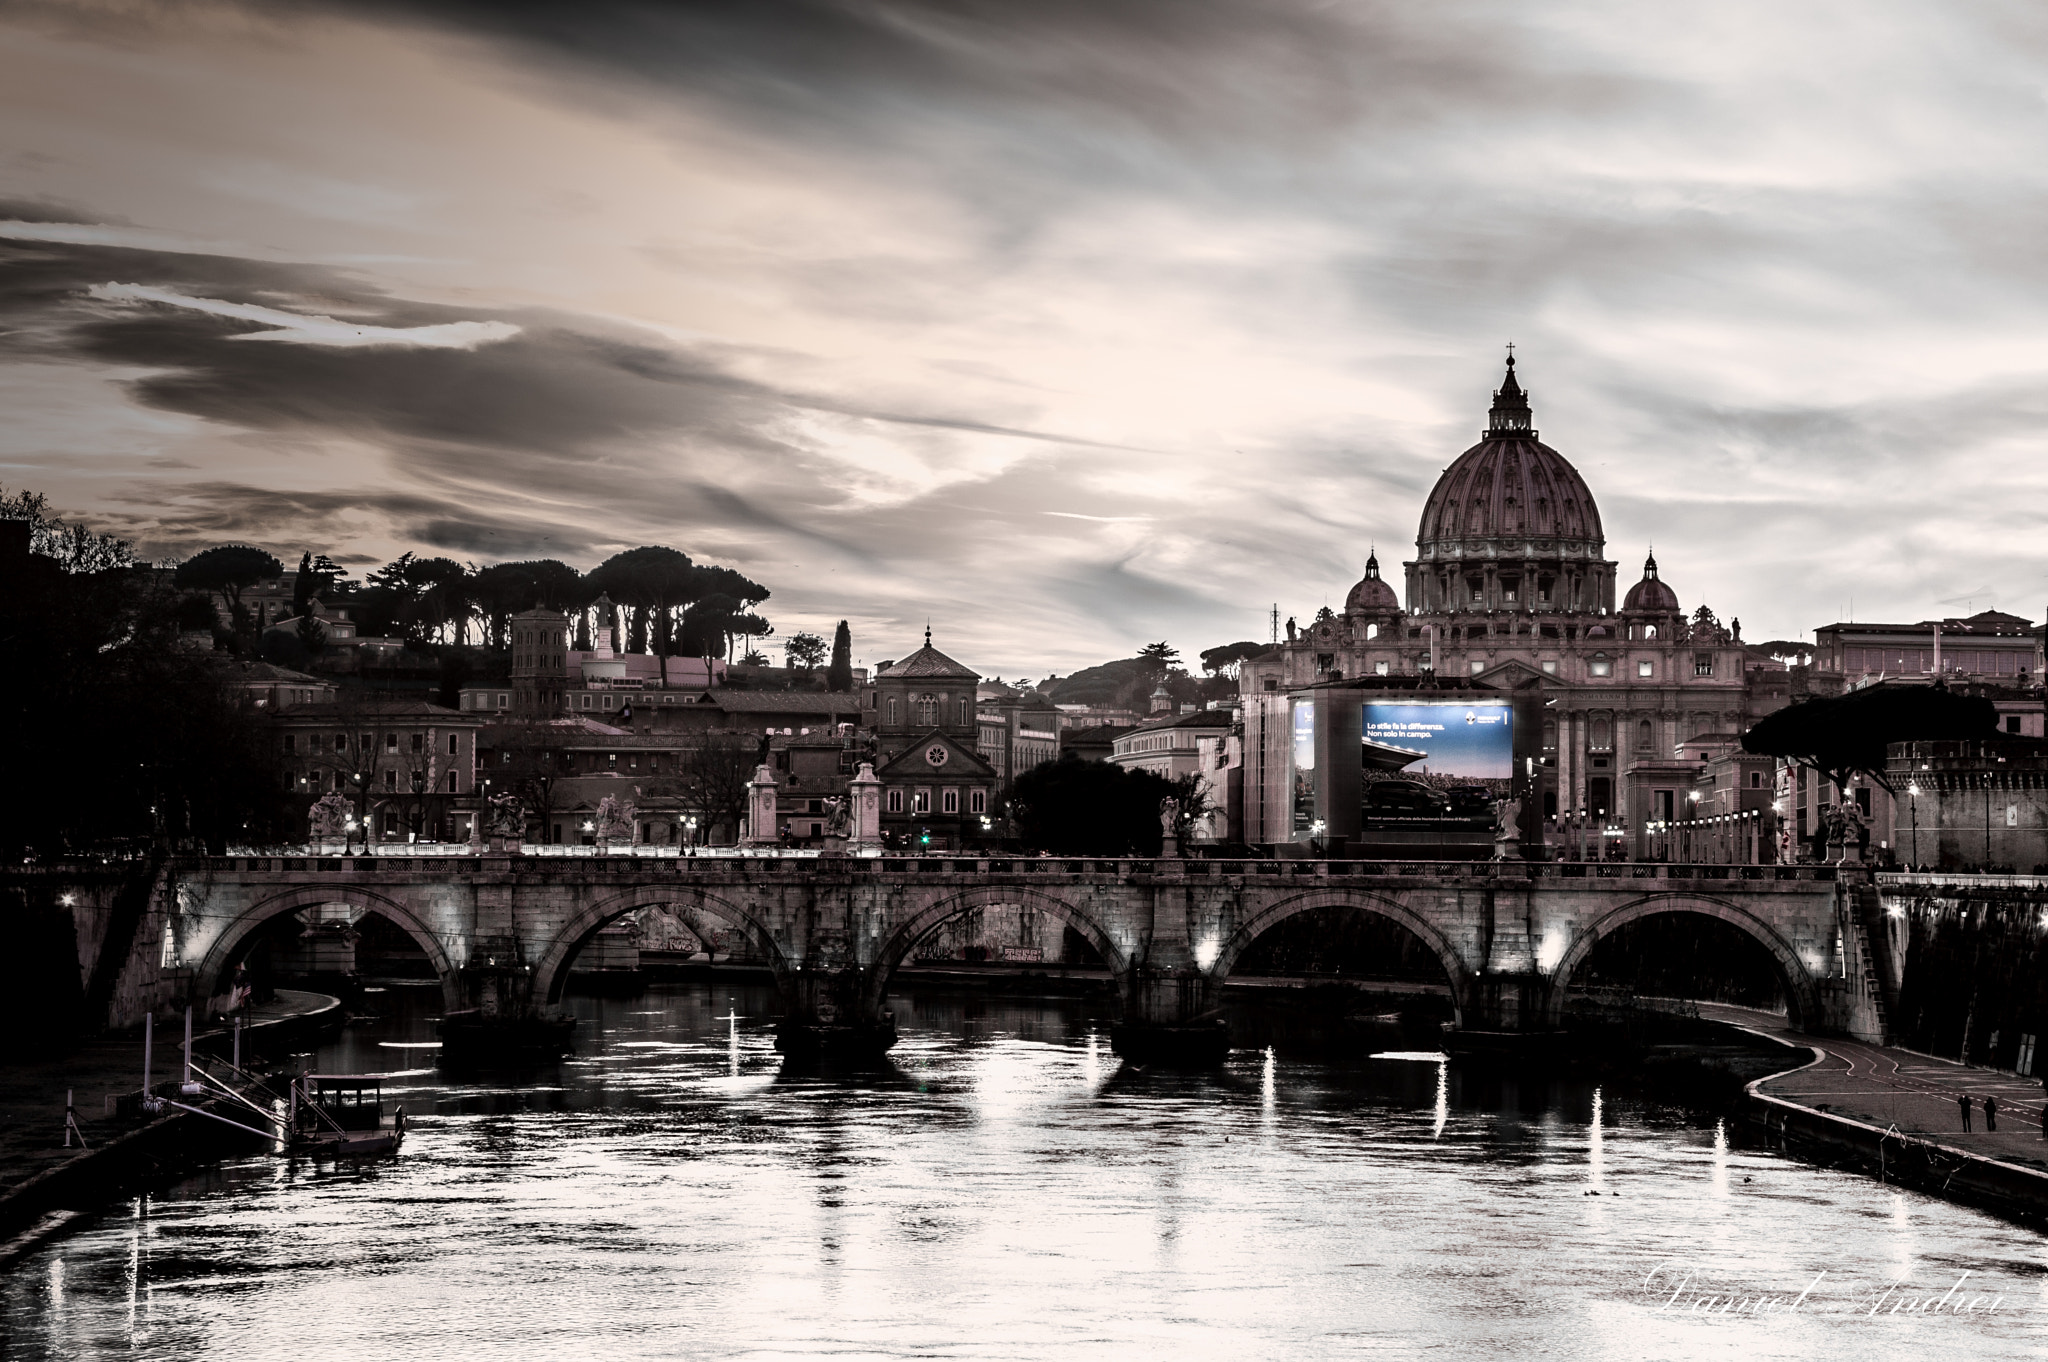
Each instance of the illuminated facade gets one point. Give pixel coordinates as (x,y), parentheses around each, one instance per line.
(1510,589)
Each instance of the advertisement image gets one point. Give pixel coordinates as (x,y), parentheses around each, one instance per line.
(1465,740)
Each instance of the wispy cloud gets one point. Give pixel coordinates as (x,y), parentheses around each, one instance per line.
(293,328)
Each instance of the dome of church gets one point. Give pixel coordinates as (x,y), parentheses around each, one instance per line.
(1652,595)
(1510,495)
(1372,596)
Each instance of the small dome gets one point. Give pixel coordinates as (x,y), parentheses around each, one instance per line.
(1651,596)
(1372,596)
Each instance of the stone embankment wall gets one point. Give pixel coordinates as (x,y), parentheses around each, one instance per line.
(86,948)
(1971,970)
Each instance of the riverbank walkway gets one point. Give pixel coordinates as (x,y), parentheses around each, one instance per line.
(32,1087)
(1892,1088)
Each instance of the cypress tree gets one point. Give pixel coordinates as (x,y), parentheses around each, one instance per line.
(839,676)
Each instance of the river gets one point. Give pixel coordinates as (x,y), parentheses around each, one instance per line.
(1007,1189)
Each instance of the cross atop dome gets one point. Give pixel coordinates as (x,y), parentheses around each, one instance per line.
(1510,415)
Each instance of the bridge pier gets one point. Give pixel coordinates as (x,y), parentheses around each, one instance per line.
(832,1013)
(1171,1016)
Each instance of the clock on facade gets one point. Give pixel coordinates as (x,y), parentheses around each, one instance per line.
(936,755)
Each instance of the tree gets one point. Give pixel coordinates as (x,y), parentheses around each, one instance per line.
(839,676)
(1162,655)
(804,651)
(226,571)
(302,586)
(1226,659)
(1089,808)
(312,633)
(657,583)
(712,777)
(75,548)
(1196,806)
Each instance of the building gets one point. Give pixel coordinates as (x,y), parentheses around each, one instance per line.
(408,768)
(550,678)
(938,791)
(1016,731)
(1987,646)
(1179,745)
(273,688)
(1510,588)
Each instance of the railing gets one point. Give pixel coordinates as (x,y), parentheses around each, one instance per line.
(725,860)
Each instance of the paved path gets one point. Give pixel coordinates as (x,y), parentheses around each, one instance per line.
(32,1088)
(1917,1093)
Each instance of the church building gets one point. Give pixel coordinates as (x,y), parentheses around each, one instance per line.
(1511,590)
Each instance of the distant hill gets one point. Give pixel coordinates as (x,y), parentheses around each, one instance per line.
(1101,685)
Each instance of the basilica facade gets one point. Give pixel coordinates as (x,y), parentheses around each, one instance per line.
(1511,590)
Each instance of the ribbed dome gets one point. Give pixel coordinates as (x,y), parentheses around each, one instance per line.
(1372,596)
(1510,495)
(1651,596)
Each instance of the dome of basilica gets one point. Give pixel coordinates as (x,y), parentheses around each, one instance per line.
(1372,596)
(1510,496)
(1652,595)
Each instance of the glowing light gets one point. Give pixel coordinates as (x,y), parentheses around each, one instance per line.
(68,900)
(1206,951)
(1551,951)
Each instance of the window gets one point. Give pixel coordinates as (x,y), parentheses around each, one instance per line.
(978,801)
(1379,669)
(452,787)
(503,700)
(611,761)
(341,742)
(340,782)
(895,801)
(453,750)
(1600,735)
(1601,665)
(921,800)
(1646,669)
(391,780)
(1549,665)
(1478,594)
(505,757)
(1478,667)
(1645,735)
(927,711)
(892,709)
(964,715)
(390,742)
(291,743)
(1756,780)
(949,800)
(2012,725)
(1703,665)
(584,702)
(419,742)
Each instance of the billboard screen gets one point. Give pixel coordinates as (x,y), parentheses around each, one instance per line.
(1464,740)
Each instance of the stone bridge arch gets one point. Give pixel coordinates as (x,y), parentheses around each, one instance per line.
(897,945)
(207,975)
(1456,970)
(1801,993)
(690,903)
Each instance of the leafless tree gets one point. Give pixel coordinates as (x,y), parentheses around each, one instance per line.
(712,777)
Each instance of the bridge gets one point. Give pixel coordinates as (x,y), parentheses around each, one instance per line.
(502,931)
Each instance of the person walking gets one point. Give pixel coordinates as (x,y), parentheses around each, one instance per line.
(1991,1113)
(1963,1102)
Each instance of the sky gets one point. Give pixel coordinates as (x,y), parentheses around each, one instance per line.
(1065,326)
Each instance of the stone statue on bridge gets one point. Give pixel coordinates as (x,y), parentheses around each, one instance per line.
(838,817)
(1507,832)
(507,816)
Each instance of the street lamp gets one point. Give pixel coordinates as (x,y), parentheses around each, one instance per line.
(1913,808)
(690,836)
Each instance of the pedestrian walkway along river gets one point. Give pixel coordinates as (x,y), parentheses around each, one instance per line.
(1005,1188)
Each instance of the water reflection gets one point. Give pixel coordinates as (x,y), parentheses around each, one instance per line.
(1000,1187)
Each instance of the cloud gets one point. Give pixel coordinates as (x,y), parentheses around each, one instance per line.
(296,329)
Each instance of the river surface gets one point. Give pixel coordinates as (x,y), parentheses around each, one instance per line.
(1007,1189)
